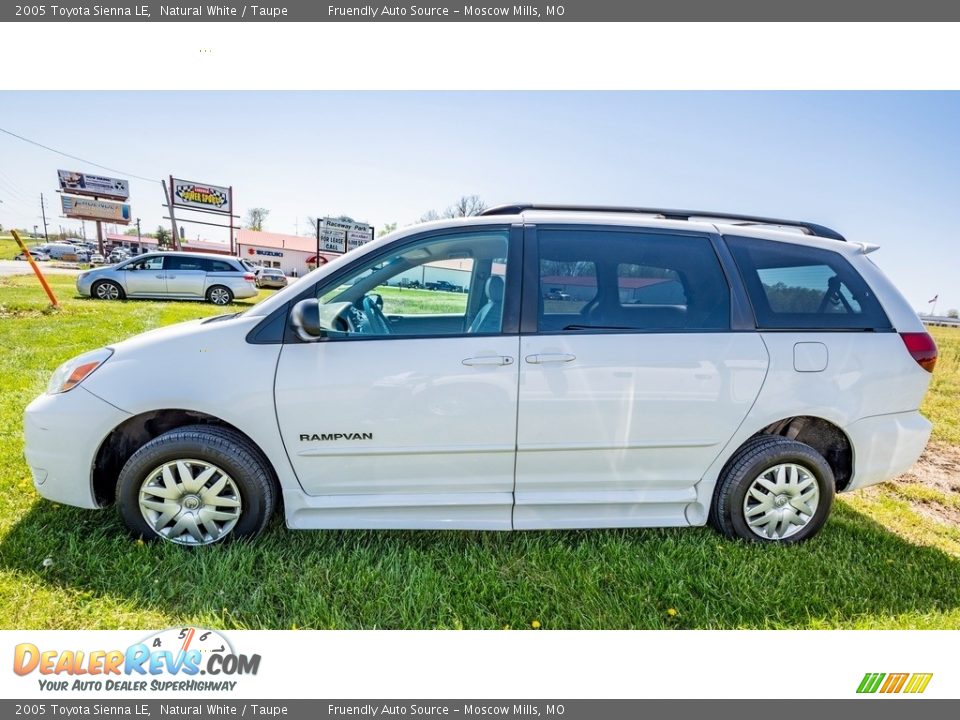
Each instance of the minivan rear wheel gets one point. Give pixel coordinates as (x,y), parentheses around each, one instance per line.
(773,490)
(196,485)
(219,295)
(107,290)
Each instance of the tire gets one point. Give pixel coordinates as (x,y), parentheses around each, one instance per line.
(219,295)
(107,290)
(238,507)
(751,489)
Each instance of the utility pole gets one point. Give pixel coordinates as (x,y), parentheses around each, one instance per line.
(168,194)
(43,211)
(139,239)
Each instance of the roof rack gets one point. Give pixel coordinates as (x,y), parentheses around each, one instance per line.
(807,228)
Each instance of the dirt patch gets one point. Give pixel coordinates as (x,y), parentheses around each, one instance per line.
(939,469)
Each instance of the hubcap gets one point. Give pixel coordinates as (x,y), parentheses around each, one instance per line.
(190,502)
(781,501)
(107,291)
(219,296)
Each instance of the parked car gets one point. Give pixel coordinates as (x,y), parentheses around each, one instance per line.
(37,255)
(270,278)
(444,286)
(97,259)
(174,275)
(789,369)
(61,251)
(556,294)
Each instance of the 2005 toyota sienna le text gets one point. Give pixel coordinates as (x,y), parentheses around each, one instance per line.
(605,367)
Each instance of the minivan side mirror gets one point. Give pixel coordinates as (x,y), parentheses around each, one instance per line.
(305,317)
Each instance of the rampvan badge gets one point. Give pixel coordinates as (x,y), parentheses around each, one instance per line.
(324,437)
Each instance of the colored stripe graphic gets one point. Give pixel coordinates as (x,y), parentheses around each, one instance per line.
(870,682)
(894,683)
(918,683)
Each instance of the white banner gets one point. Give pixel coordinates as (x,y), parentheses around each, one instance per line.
(485,664)
(80,183)
(89,209)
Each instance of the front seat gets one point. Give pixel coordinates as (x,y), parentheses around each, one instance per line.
(489,317)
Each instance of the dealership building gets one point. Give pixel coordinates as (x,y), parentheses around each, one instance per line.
(288,253)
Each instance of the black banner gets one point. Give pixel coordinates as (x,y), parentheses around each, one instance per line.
(445,11)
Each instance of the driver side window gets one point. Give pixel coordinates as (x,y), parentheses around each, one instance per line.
(151,263)
(445,285)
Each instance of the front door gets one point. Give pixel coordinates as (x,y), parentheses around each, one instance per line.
(145,276)
(631,381)
(405,414)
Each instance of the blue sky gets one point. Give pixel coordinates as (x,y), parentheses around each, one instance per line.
(880,167)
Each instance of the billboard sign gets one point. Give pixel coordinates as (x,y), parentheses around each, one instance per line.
(82,208)
(340,236)
(201,196)
(80,183)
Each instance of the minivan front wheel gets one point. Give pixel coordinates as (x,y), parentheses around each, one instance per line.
(107,290)
(219,295)
(773,490)
(196,485)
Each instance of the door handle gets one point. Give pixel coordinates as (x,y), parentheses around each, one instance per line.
(160,277)
(545,358)
(488,360)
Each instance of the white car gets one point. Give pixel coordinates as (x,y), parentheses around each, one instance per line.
(697,368)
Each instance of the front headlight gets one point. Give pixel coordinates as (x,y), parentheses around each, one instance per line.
(75,371)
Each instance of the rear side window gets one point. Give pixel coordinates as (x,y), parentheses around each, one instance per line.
(175,262)
(630,281)
(793,287)
(218,266)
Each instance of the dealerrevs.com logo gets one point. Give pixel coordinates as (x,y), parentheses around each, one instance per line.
(179,659)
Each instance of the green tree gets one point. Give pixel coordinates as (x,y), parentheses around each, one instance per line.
(387,229)
(256,217)
(466,206)
(163,237)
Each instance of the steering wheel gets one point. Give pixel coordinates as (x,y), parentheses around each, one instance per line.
(379,325)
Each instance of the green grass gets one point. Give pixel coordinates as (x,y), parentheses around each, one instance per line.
(407,301)
(879,563)
(942,405)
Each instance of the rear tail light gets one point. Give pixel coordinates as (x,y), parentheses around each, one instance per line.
(249,277)
(922,347)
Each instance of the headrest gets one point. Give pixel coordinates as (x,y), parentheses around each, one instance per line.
(495,288)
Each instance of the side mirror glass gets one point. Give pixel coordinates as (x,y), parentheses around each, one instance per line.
(305,317)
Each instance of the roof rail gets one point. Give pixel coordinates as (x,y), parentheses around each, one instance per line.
(807,228)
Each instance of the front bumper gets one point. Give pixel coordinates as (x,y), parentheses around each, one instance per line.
(62,434)
(885,446)
(84,284)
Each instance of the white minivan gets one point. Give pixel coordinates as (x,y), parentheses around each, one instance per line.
(605,367)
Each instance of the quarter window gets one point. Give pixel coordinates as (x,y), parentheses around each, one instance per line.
(618,280)
(797,287)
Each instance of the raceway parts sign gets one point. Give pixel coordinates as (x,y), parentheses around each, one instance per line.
(201,196)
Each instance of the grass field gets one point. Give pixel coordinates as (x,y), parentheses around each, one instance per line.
(885,559)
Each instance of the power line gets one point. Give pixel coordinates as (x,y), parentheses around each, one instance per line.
(74,157)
